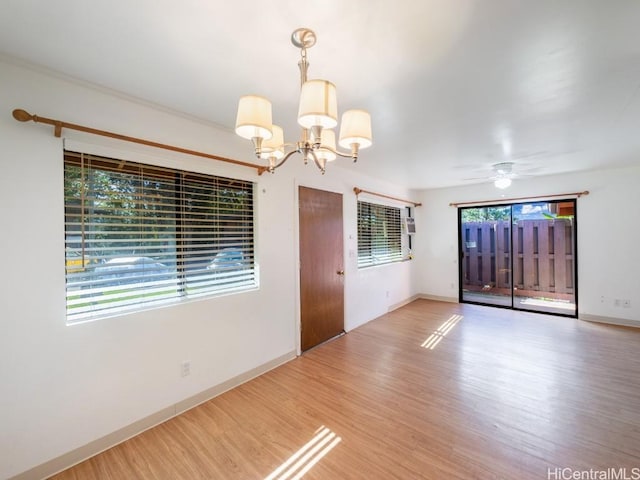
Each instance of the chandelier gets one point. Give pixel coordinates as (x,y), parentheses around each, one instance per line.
(317,115)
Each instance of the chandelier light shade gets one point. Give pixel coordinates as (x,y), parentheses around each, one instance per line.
(318,105)
(327,146)
(274,147)
(355,128)
(254,117)
(317,115)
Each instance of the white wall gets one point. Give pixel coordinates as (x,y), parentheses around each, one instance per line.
(65,386)
(608,233)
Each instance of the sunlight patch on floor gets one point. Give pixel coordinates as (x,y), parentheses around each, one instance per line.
(304,459)
(442,331)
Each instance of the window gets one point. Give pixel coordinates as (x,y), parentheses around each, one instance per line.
(139,236)
(379,234)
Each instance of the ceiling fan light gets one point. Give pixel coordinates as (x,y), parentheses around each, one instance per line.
(274,147)
(502,182)
(318,104)
(254,117)
(355,129)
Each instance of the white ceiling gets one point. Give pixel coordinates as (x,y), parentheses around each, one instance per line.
(453,86)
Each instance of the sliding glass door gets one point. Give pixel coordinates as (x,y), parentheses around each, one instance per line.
(520,256)
(544,268)
(486,255)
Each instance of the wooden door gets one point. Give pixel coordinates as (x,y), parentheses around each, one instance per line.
(321,266)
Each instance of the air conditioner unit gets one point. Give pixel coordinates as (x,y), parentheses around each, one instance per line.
(409,225)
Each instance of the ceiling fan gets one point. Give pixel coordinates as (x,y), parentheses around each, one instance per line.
(501,173)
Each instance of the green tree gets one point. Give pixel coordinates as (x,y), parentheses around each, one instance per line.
(485,214)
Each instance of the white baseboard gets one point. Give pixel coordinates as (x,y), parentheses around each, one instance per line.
(407,301)
(438,298)
(423,296)
(610,320)
(91,449)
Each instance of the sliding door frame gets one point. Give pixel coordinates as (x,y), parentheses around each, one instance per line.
(512,255)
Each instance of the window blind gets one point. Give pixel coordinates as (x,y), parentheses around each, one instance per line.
(139,236)
(379,234)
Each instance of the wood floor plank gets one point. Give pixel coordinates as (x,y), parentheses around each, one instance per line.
(432,390)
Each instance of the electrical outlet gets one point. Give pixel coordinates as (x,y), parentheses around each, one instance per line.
(185,368)
(626,303)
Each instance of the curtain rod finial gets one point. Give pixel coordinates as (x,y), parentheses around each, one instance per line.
(22,115)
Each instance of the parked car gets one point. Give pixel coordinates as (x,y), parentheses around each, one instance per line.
(122,270)
(75,261)
(228,259)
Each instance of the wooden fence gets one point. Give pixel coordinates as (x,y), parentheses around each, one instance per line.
(543,258)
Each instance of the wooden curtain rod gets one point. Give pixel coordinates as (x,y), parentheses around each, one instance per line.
(24,116)
(506,200)
(358,191)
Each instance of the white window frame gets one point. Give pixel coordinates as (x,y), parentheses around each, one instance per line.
(172,235)
(381,238)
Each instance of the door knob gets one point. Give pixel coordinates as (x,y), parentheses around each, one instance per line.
(340,272)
